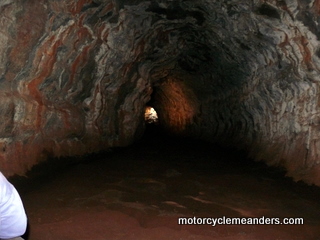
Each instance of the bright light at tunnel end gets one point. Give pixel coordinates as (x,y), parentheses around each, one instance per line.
(150,115)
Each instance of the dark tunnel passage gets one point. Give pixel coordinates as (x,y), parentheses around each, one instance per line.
(234,141)
(76,78)
(139,192)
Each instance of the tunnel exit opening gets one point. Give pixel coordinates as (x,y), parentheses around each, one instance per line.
(153,129)
(151,116)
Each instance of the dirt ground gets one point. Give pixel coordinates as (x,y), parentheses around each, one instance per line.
(139,192)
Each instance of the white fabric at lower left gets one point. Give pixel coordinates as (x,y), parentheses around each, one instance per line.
(13,220)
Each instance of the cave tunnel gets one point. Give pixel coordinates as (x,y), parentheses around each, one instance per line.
(162,119)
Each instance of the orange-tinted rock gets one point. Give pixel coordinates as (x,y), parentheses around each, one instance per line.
(76,77)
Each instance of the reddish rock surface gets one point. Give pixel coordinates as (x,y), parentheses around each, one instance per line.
(140,192)
(76,77)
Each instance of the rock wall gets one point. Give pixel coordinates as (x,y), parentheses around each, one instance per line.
(250,79)
(70,81)
(77,75)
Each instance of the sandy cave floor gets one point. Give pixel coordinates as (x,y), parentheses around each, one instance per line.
(138,193)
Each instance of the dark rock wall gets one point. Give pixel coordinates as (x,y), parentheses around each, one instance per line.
(77,75)
(252,82)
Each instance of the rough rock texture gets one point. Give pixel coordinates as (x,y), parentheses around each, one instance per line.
(76,77)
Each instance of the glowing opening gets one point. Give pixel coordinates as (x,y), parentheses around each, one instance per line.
(150,115)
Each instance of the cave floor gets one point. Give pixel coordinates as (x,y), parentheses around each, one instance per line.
(139,192)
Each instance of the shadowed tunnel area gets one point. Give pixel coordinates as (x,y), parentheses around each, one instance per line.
(139,192)
(235,85)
